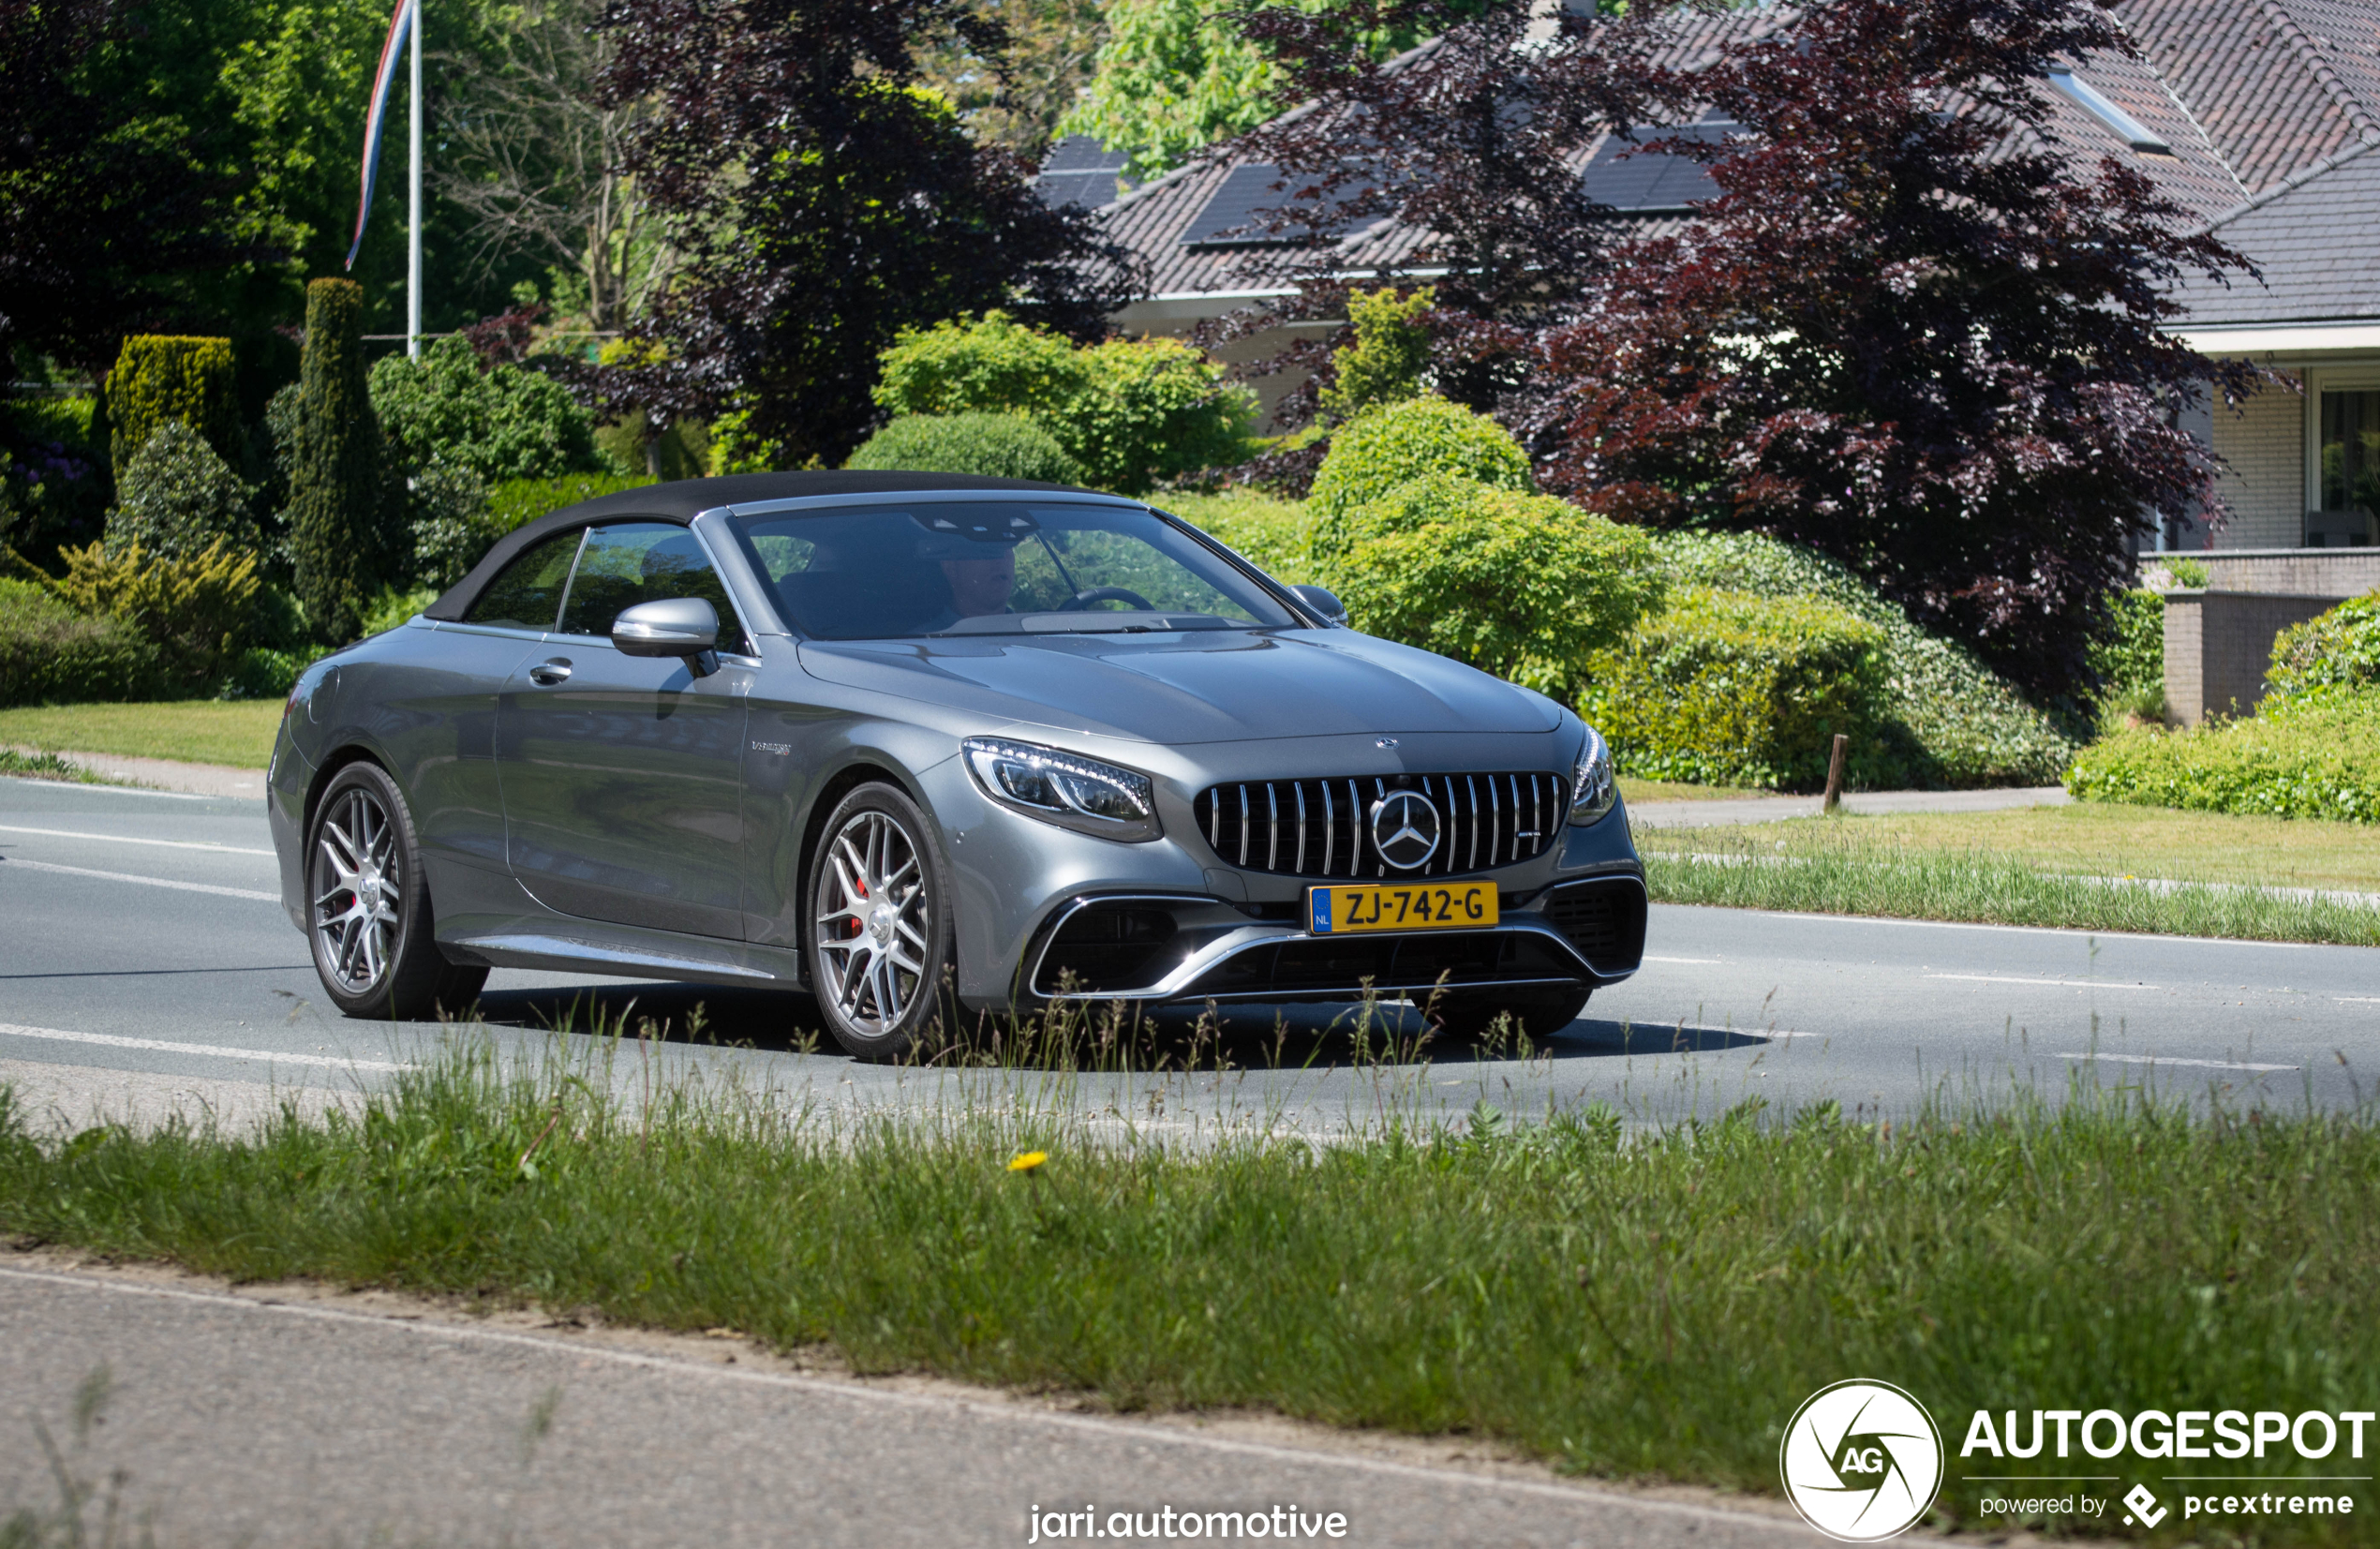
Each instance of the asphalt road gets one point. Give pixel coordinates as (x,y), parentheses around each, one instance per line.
(142,951)
(285,1417)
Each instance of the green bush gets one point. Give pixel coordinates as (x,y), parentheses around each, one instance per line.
(2315,757)
(1727,688)
(1380,452)
(1521,586)
(160,379)
(262,673)
(500,422)
(1390,352)
(343,521)
(1946,721)
(198,610)
(50,654)
(2131,660)
(1269,533)
(447,512)
(1130,411)
(2337,652)
(53,485)
(516,502)
(392,607)
(999,446)
(176,497)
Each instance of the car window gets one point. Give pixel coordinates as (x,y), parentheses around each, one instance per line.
(630,562)
(526,593)
(977,568)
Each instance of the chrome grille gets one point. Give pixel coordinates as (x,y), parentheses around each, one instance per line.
(1320,827)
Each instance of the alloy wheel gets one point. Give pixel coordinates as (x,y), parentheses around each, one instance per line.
(873,923)
(358,890)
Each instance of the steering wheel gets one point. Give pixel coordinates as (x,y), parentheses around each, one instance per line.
(1082,600)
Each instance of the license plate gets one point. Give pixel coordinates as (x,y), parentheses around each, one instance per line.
(1393,906)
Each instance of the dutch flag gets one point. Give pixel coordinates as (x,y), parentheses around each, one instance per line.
(383,83)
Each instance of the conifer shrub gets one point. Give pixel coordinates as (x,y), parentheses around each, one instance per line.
(161,378)
(340,512)
(176,497)
(198,610)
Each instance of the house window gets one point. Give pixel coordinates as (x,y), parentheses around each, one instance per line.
(2346,469)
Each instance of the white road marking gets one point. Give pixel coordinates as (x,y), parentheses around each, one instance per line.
(2062,984)
(127,839)
(2017,930)
(2159,1059)
(2357,1000)
(212,1051)
(11,865)
(80,786)
(1682,959)
(994,1406)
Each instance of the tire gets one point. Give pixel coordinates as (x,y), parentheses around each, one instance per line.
(368,909)
(879,937)
(1539,1011)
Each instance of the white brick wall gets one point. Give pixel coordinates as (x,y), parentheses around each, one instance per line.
(2266,446)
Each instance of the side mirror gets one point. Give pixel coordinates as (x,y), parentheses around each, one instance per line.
(675,626)
(1324,601)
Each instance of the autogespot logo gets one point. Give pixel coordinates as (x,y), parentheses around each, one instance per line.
(1862,1461)
(1405,828)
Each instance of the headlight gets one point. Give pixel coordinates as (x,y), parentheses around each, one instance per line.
(1066,789)
(1593,789)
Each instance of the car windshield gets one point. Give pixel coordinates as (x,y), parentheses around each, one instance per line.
(983,567)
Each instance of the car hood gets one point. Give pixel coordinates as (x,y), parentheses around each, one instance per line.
(1198,686)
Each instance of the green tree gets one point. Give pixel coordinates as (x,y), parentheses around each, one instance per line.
(1014,100)
(339,511)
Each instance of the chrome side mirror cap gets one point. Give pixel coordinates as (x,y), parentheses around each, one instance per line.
(685,627)
(1323,601)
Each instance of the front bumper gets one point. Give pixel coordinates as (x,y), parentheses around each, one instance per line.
(1160,948)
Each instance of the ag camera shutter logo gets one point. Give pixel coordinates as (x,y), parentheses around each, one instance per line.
(1862,1461)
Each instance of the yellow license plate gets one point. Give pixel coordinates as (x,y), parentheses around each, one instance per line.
(1400,907)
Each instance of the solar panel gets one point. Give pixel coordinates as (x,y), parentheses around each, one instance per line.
(1233,219)
(1651,183)
(1080,170)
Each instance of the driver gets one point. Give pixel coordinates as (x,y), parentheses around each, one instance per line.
(981,584)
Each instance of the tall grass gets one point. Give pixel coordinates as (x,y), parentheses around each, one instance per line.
(1647,1303)
(1986,887)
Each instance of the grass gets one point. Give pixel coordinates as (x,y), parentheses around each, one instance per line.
(1840,866)
(1650,1305)
(1636,791)
(45,766)
(238,733)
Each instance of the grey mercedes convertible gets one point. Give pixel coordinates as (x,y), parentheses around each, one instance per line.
(922,746)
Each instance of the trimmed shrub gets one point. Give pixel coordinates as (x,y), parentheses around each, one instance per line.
(999,446)
(160,379)
(178,497)
(1386,363)
(2315,757)
(1129,411)
(2337,652)
(1946,721)
(1269,533)
(500,422)
(52,655)
(1520,586)
(197,610)
(341,518)
(1727,688)
(1380,452)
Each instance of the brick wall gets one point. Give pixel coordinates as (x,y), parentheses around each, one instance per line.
(2266,484)
(2218,645)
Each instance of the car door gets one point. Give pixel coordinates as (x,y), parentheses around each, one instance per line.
(440,709)
(622,775)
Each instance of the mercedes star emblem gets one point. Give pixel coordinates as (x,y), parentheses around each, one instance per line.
(1405,828)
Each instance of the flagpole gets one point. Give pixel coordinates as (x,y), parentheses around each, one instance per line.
(413,247)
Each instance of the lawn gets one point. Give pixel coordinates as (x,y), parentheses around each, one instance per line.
(238,732)
(1648,1307)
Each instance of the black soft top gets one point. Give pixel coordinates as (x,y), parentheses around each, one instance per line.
(686,498)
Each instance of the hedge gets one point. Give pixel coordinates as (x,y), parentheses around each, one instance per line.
(1945,720)
(998,446)
(161,378)
(52,655)
(1521,586)
(1729,688)
(2337,651)
(1379,452)
(2316,757)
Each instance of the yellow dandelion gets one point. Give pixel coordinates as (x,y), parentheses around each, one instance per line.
(1025,1161)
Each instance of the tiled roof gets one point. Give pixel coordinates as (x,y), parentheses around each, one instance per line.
(2312,237)
(2242,93)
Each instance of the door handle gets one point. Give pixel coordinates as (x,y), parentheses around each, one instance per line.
(547,673)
